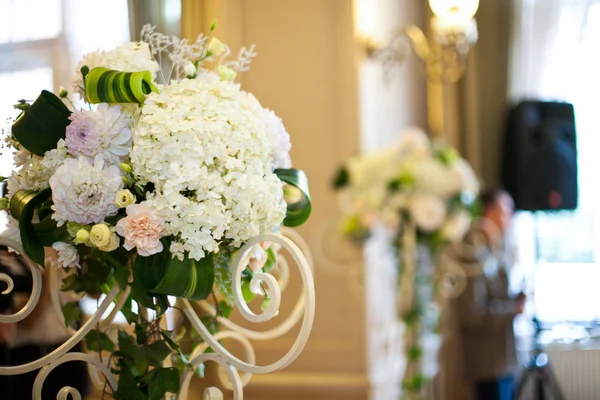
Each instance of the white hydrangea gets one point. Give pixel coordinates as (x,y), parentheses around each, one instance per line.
(278,136)
(131,57)
(208,157)
(83,192)
(36,171)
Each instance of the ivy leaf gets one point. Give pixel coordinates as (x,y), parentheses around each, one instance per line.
(161,381)
(167,337)
(157,352)
(127,311)
(97,341)
(128,387)
(92,281)
(141,333)
(72,312)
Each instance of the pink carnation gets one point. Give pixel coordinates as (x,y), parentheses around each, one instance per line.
(141,229)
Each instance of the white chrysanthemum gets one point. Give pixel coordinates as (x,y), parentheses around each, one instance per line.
(36,171)
(278,136)
(208,157)
(68,257)
(131,57)
(103,131)
(83,192)
(456,226)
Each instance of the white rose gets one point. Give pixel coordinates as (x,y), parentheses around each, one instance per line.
(427,211)
(456,226)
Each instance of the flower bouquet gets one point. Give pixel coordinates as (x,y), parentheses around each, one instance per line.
(151,188)
(425,193)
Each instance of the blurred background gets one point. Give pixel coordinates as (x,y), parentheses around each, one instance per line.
(345,78)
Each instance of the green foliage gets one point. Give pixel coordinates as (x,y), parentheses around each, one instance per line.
(299,211)
(98,341)
(187,278)
(71,312)
(342,179)
(271,260)
(43,124)
(415,353)
(161,381)
(23,205)
(90,282)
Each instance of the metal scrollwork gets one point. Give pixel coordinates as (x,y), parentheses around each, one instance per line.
(234,372)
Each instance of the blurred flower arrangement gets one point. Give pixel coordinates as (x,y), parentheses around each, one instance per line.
(425,193)
(153,186)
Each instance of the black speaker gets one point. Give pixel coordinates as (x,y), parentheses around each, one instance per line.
(539,163)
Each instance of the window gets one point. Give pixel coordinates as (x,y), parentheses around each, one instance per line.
(564,247)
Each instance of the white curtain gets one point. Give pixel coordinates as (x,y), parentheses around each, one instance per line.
(546,43)
(555,56)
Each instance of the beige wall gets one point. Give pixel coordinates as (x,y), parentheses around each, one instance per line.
(311,71)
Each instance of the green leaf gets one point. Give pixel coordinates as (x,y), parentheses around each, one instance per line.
(128,387)
(247,293)
(22,207)
(148,271)
(161,381)
(298,210)
(49,233)
(225,309)
(157,352)
(141,332)
(43,124)
(92,281)
(271,260)
(72,313)
(342,179)
(127,311)
(167,337)
(103,85)
(97,341)
(187,278)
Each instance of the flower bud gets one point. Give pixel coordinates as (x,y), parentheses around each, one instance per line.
(100,235)
(226,73)
(4,203)
(124,198)
(126,168)
(189,70)
(62,93)
(82,235)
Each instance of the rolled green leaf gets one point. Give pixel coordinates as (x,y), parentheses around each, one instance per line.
(104,85)
(41,126)
(298,210)
(187,278)
(22,207)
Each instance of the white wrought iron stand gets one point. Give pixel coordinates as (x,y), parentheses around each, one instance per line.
(235,373)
